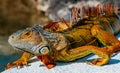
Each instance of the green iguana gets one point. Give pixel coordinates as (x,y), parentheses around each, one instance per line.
(67,45)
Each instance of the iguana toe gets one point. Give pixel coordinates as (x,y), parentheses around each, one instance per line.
(49,66)
(17,63)
(98,62)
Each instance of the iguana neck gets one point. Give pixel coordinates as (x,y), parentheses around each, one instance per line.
(47,35)
(52,39)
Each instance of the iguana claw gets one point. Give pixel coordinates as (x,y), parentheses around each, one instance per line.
(98,62)
(19,62)
(23,61)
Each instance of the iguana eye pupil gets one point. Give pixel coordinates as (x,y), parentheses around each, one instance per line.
(27,34)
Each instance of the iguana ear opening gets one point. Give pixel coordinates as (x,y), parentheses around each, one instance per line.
(44,50)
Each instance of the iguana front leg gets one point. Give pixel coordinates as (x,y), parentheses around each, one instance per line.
(21,61)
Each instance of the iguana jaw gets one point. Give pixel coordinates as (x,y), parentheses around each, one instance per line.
(19,41)
(23,49)
(15,43)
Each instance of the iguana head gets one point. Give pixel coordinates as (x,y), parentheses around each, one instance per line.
(30,39)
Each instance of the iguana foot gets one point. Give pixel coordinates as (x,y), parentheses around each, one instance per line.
(19,62)
(49,66)
(98,62)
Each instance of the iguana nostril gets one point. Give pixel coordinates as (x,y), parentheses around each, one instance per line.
(12,37)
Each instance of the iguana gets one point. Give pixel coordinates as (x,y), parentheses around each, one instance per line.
(67,45)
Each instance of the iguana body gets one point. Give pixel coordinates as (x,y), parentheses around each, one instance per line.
(68,45)
(64,46)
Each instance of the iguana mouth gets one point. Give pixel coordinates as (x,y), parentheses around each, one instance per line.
(22,49)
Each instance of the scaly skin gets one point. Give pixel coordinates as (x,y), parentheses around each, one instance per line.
(59,46)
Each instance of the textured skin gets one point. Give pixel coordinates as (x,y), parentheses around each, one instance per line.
(67,45)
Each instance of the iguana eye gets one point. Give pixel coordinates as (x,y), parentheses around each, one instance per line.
(44,50)
(27,34)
